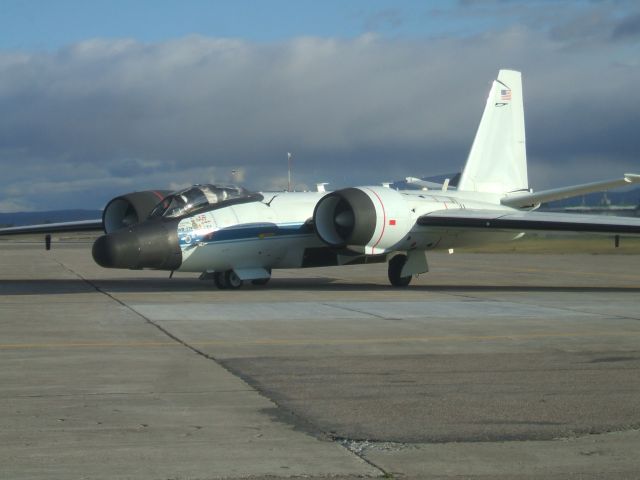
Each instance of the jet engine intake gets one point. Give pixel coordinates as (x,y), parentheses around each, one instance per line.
(371,220)
(130,209)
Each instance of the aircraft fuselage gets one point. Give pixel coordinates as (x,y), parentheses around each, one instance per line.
(279,232)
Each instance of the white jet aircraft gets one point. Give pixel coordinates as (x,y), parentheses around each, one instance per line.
(235,235)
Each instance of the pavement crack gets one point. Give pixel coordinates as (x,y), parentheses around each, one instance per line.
(283,411)
(355,310)
(144,317)
(361,447)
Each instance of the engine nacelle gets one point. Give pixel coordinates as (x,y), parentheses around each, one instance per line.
(371,220)
(129,209)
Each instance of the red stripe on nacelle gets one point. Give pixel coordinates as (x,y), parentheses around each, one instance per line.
(159,195)
(384,218)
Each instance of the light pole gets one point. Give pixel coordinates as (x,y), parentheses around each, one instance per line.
(289,170)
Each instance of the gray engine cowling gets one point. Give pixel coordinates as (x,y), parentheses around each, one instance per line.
(129,209)
(370,220)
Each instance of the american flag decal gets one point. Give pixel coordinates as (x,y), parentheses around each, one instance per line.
(505,94)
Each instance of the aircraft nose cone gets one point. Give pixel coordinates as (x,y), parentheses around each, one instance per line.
(145,245)
(116,250)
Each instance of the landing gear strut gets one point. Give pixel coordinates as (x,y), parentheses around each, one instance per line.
(395,271)
(218,279)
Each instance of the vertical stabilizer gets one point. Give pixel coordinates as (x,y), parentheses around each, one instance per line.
(497,162)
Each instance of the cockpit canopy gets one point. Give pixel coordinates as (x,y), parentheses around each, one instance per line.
(199,197)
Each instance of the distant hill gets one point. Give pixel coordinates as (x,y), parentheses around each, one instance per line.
(17,219)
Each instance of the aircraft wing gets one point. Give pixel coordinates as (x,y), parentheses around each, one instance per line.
(521,221)
(78,226)
(517,200)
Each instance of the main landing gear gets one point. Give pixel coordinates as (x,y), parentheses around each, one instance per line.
(395,271)
(229,279)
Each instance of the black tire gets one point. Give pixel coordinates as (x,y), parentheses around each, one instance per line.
(232,280)
(395,269)
(219,280)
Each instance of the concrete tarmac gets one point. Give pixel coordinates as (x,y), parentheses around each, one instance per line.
(490,366)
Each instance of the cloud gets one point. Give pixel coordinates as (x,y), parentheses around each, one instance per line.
(103,117)
(381,19)
(629,27)
(597,25)
(11,206)
(579,24)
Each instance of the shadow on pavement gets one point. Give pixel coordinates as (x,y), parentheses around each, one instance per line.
(146,285)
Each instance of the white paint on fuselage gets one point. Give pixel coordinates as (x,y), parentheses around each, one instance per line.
(283,211)
(247,247)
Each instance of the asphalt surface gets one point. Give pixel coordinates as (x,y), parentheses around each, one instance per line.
(490,366)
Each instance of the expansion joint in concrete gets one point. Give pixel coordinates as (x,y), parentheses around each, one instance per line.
(138,314)
(222,365)
(355,310)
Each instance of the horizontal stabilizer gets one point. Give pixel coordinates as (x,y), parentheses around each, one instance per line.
(424,183)
(501,220)
(520,200)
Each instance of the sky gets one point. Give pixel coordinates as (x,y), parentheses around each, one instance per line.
(100,98)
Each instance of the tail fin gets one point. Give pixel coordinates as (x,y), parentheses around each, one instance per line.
(497,162)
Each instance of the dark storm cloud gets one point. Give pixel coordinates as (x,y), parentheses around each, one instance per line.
(627,28)
(107,116)
(573,23)
(598,24)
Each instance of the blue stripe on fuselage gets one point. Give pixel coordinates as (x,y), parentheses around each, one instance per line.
(246,232)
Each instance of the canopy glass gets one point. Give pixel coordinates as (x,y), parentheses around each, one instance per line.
(197,197)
